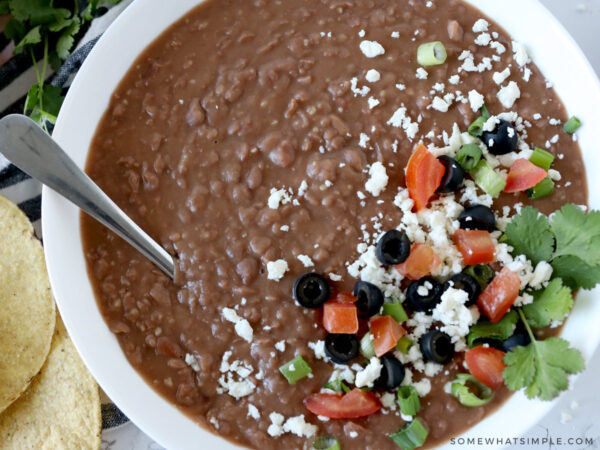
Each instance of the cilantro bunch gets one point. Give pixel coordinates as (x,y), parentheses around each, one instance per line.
(570,241)
(46,28)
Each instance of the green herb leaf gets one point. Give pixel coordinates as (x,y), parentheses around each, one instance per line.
(67,38)
(542,367)
(529,234)
(575,273)
(552,303)
(37,12)
(487,330)
(4,7)
(577,233)
(33,36)
(15,30)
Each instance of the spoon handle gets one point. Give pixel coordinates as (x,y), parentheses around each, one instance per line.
(24,143)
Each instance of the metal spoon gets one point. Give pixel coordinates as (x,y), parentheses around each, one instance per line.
(29,148)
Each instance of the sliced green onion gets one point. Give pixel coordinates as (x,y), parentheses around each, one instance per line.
(484,112)
(469,156)
(411,436)
(462,388)
(408,400)
(488,179)
(476,128)
(326,443)
(396,311)
(482,273)
(484,330)
(404,344)
(295,370)
(366,346)
(542,189)
(572,125)
(542,158)
(431,54)
(337,385)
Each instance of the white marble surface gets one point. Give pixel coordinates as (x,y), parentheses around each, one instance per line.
(582,19)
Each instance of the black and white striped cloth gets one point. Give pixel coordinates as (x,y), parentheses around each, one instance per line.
(17,75)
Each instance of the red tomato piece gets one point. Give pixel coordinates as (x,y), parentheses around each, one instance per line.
(352,405)
(345,298)
(340,317)
(424,175)
(476,246)
(420,263)
(523,175)
(499,296)
(386,332)
(485,364)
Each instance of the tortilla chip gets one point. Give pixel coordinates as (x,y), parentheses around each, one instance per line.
(61,408)
(27,311)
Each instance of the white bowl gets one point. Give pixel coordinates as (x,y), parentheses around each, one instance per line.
(552,49)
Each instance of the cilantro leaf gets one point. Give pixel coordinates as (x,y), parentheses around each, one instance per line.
(4,7)
(67,38)
(37,12)
(575,273)
(542,367)
(488,330)
(529,234)
(51,101)
(32,37)
(577,233)
(552,303)
(15,30)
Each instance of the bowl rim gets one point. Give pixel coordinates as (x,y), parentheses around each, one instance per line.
(87,100)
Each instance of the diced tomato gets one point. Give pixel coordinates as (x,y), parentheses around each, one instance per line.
(485,364)
(499,296)
(523,175)
(424,175)
(386,332)
(352,405)
(420,263)
(345,298)
(340,317)
(476,246)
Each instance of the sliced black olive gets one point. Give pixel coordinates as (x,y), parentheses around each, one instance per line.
(436,346)
(370,299)
(477,217)
(393,248)
(465,283)
(311,290)
(424,294)
(392,373)
(501,140)
(519,337)
(341,348)
(453,177)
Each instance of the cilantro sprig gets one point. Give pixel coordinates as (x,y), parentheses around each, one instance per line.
(569,240)
(542,366)
(46,30)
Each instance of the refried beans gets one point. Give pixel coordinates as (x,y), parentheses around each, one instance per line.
(244,135)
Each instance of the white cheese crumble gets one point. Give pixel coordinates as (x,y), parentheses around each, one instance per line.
(520,54)
(318,348)
(306,261)
(422,74)
(363,91)
(454,79)
(361,33)
(401,120)
(369,374)
(476,100)
(276,269)
(227,382)
(363,140)
(455,316)
(483,39)
(439,104)
(280,346)
(278,197)
(378,179)
(509,94)
(371,49)
(500,77)
(373,102)
(480,26)
(253,412)
(373,76)
(275,429)
(241,325)
(191,361)
(395,35)
(298,426)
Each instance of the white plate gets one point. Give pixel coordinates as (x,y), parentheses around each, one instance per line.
(552,49)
